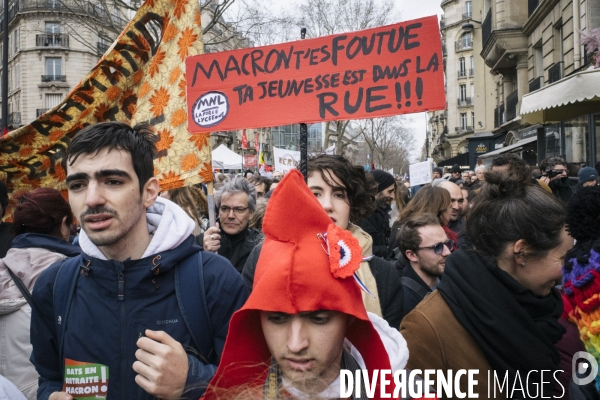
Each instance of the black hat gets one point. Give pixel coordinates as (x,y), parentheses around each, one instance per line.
(438,170)
(383,179)
(455,168)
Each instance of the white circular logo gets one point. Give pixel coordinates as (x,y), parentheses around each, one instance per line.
(210,109)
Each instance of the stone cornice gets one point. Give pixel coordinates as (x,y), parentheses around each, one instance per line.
(542,10)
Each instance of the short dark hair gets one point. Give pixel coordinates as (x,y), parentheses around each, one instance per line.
(518,169)
(507,210)
(408,237)
(554,161)
(361,187)
(263,179)
(139,141)
(41,211)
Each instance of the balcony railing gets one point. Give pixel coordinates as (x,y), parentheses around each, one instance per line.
(555,73)
(467,15)
(92,8)
(462,73)
(499,115)
(40,111)
(465,102)
(463,45)
(536,84)
(511,105)
(14,118)
(471,72)
(52,40)
(486,28)
(54,78)
(102,47)
(532,5)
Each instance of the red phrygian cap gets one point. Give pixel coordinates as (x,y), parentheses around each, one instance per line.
(293,275)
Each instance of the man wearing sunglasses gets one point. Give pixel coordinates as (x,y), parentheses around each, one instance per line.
(424,244)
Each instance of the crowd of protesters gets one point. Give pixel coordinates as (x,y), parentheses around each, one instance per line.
(495,269)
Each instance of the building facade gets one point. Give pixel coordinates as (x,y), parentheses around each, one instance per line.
(467,86)
(52,45)
(531,51)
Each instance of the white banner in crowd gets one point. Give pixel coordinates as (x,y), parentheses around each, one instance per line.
(286,160)
(420,173)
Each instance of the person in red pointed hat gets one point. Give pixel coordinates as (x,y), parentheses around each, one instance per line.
(305,319)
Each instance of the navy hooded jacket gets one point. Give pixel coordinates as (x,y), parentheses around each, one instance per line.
(103,327)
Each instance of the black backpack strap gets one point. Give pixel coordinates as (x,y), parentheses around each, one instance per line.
(414,286)
(62,295)
(189,289)
(21,286)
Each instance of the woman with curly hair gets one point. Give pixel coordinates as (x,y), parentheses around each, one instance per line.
(347,194)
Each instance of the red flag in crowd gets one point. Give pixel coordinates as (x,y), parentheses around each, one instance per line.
(244,140)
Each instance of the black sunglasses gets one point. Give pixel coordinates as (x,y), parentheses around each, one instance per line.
(438,248)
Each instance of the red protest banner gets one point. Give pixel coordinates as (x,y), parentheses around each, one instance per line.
(249,161)
(389,70)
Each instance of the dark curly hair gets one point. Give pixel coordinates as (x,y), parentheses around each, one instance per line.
(583,214)
(507,210)
(361,188)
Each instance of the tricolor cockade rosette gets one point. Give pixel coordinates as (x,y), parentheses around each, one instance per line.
(345,254)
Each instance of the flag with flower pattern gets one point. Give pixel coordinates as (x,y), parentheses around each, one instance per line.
(141,78)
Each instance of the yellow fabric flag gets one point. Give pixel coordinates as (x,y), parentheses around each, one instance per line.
(141,78)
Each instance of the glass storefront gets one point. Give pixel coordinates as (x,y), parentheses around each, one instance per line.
(552,140)
(576,140)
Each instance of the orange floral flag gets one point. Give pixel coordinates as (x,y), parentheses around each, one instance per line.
(141,78)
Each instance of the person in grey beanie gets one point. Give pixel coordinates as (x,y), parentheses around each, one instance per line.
(378,224)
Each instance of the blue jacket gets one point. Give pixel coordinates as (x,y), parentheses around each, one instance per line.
(102,328)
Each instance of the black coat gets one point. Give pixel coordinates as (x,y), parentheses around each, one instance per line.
(411,297)
(6,237)
(239,254)
(378,226)
(388,283)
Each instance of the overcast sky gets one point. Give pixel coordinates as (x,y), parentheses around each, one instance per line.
(406,10)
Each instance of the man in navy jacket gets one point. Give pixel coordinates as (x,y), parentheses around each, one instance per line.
(124,314)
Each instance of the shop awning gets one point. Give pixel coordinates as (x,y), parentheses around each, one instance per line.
(462,160)
(513,146)
(568,98)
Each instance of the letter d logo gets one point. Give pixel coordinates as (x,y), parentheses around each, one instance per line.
(586,371)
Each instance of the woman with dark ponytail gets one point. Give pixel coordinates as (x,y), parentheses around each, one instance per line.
(41,224)
(496,308)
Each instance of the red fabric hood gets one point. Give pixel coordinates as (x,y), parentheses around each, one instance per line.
(293,275)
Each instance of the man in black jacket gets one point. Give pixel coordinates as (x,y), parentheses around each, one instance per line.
(378,223)
(231,238)
(6,236)
(423,242)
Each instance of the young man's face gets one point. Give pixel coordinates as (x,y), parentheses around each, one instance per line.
(261,190)
(428,262)
(334,199)
(306,346)
(105,197)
